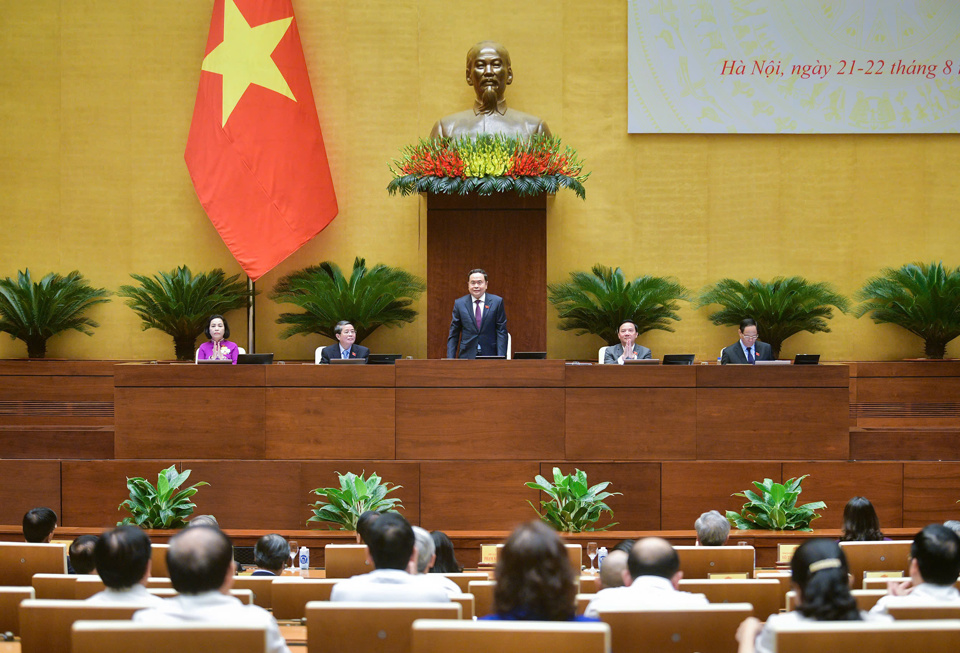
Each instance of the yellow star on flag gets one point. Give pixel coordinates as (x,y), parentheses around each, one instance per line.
(243,58)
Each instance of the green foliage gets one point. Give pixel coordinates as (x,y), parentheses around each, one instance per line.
(599,301)
(161,506)
(179,303)
(782,307)
(775,508)
(573,507)
(922,298)
(34,312)
(355,496)
(370,298)
(523,186)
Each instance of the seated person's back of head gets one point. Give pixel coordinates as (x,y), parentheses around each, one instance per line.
(81,554)
(936,550)
(612,569)
(653,556)
(199,559)
(122,557)
(39,524)
(426,549)
(204,520)
(364,522)
(446,558)
(271,553)
(712,528)
(390,540)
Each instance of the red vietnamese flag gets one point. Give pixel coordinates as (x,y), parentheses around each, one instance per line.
(255,150)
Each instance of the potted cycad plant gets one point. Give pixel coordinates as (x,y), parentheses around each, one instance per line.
(35,312)
(775,508)
(343,505)
(572,505)
(161,506)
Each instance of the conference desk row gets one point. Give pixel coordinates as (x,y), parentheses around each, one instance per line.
(482,410)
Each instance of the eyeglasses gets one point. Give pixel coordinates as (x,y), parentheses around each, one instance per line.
(749,337)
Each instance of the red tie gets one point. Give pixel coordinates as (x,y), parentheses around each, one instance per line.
(478,314)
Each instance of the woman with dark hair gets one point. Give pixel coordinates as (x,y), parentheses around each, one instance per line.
(821,580)
(446,558)
(218,348)
(860,522)
(535,580)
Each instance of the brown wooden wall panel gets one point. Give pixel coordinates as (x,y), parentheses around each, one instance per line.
(188,422)
(773,376)
(489,423)
(930,493)
(259,494)
(631,423)
(185,375)
(905,444)
(315,475)
(480,374)
(324,423)
(93,489)
(689,489)
(507,237)
(26,484)
(631,376)
(837,483)
(55,442)
(56,388)
(889,369)
(330,376)
(462,495)
(773,424)
(637,508)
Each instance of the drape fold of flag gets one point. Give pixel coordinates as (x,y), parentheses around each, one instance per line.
(255,151)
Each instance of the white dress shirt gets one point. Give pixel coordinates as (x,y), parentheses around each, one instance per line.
(135,595)
(766,640)
(922,594)
(644,592)
(389,585)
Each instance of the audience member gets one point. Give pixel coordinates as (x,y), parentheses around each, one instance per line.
(535,580)
(820,576)
(860,522)
(204,520)
(364,522)
(625,545)
(123,562)
(712,528)
(652,579)
(390,545)
(446,557)
(270,554)
(612,568)
(953,525)
(427,557)
(80,555)
(38,525)
(200,561)
(934,568)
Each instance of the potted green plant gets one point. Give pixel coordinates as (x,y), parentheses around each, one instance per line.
(370,298)
(179,303)
(782,307)
(35,312)
(599,301)
(161,506)
(572,506)
(922,298)
(356,495)
(775,508)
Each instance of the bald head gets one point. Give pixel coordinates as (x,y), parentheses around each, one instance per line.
(612,568)
(199,560)
(653,556)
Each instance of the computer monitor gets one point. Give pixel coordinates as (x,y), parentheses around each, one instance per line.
(679,359)
(348,361)
(776,362)
(530,355)
(217,361)
(383,359)
(641,361)
(491,358)
(254,359)
(806,359)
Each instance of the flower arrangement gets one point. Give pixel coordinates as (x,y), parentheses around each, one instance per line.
(487,164)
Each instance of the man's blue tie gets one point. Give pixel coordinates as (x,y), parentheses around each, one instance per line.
(750,358)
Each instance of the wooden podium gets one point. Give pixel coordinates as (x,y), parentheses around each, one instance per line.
(503,234)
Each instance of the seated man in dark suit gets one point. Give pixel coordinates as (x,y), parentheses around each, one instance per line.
(748,349)
(346,336)
(627,348)
(479,322)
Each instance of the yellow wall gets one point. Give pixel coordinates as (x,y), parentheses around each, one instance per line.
(95,104)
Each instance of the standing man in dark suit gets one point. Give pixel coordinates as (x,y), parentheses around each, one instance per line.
(345,347)
(748,350)
(479,322)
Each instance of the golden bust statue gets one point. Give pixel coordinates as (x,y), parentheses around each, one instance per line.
(489,73)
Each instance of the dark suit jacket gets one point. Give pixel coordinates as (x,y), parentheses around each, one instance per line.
(614,352)
(492,335)
(734,353)
(333,351)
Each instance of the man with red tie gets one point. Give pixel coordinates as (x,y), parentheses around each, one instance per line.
(479,323)
(345,346)
(747,350)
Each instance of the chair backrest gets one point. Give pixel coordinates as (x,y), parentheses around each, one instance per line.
(87,586)
(601,354)
(317,356)
(158,560)
(509,347)
(346,627)
(261,586)
(433,636)
(865,599)
(706,628)
(583,600)
(245,595)
(45,624)
(463,579)
(931,610)
(19,561)
(574,552)
(10,598)
(467,603)
(875,556)
(99,636)
(345,560)
(763,595)
(589,584)
(290,595)
(782,577)
(873,636)
(482,591)
(55,586)
(699,561)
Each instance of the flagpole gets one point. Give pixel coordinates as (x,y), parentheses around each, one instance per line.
(251,318)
